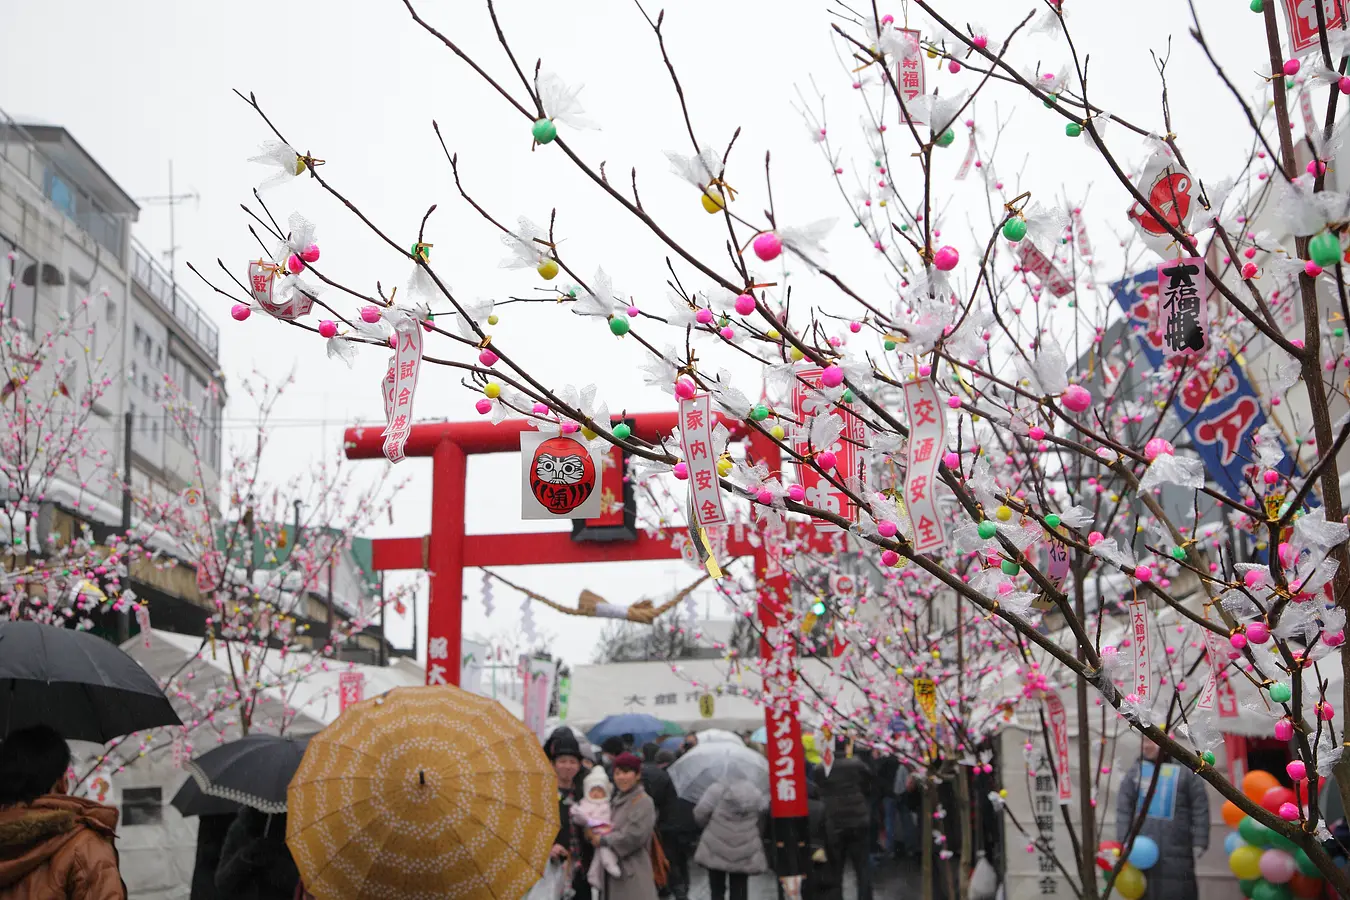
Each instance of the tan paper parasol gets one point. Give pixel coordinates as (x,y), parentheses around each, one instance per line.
(423,792)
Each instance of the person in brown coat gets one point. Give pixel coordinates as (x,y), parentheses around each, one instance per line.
(52,846)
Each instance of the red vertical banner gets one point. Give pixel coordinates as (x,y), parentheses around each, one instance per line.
(351,689)
(787,760)
(700,457)
(808,402)
(406,363)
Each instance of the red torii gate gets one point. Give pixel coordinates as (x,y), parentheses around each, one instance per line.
(448,550)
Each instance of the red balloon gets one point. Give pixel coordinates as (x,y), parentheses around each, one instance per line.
(1276,797)
(1257,782)
(1111,845)
(1306,886)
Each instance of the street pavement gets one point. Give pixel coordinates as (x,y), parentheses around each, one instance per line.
(890,880)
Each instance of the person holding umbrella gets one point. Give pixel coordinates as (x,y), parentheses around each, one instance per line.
(631,835)
(254,863)
(52,846)
(730,849)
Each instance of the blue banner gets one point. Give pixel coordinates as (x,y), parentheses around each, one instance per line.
(1220,410)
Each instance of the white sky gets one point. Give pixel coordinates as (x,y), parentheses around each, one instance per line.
(357,83)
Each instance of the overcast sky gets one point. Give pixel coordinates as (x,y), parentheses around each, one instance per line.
(357,83)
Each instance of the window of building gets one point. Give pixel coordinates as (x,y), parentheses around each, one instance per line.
(136,337)
(19,303)
(142,806)
(110,310)
(154,430)
(60,193)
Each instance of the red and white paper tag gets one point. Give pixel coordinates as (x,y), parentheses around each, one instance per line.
(1183,310)
(966,163)
(807,402)
(909,76)
(407,361)
(1216,649)
(1037,263)
(1059,732)
(1301,16)
(1141,675)
(700,457)
(927,430)
(351,689)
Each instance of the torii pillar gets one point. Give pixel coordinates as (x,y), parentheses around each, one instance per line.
(448,550)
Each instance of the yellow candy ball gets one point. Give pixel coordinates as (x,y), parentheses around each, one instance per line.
(772,334)
(797,355)
(492,319)
(932,54)
(548,269)
(493,390)
(1003,513)
(712,199)
(937,655)
(588,434)
(778,432)
(724,467)
(882,203)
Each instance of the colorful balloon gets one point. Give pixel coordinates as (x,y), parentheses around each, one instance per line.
(1255,784)
(1232,842)
(1253,832)
(1276,797)
(1245,862)
(1144,854)
(1277,866)
(1305,865)
(1232,814)
(1264,890)
(1305,886)
(1131,883)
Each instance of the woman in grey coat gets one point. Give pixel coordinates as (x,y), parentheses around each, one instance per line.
(634,820)
(729,815)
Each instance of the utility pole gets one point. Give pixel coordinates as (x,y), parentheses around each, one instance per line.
(123,617)
(171,200)
(384,638)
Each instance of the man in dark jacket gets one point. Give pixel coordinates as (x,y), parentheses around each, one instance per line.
(564,751)
(848,817)
(255,863)
(674,821)
(1177,818)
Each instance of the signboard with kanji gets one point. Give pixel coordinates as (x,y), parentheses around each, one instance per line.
(1301,16)
(787,777)
(351,689)
(700,458)
(927,440)
(909,76)
(1183,308)
(808,401)
(405,365)
(1141,672)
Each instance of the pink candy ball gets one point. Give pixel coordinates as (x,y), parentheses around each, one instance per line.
(1271,476)
(745,304)
(767,246)
(887,528)
(980,41)
(1249,270)
(796,493)
(634,312)
(703,316)
(1312,268)
(1076,398)
(370,314)
(1291,66)
(1258,632)
(951,460)
(889,557)
(1288,812)
(1095,538)
(1297,770)
(764,495)
(946,258)
(832,376)
(953,66)
(484,406)
(727,333)
(311,254)
(826,459)
(1253,578)
(294,264)
(685,387)
(1284,730)
(1036,433)
(487,357)
(540,409)
(1238,640)
(1333,638)
(327,328)
(1143,573)
(855,327)
(1344,85)
(680,471)
(1158,447)
(239,312)
(954,402)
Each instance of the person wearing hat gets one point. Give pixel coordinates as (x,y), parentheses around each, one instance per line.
(564,751)
(630,837)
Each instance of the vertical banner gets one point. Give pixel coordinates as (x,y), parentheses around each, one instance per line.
(538,691)
(807,402)
(1301,16)
(927,439)
(351,689)
(1037,263)
(926,693)
(700,457)
(143,623)
(1183,308)
(1141,673)
(407,361)
(471,656)
(1080,233)
(787,766)
(783,747)
(564,696)
(1059,731)
(1057,555)
(1305,107)
(909,75)
(1043,807)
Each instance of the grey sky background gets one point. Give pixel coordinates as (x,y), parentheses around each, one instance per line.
(358,83)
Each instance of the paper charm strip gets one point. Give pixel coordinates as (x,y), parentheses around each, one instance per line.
(910,75)
(1141,672)
(262,284)
(927,437)
(1037,263)
(406,363)
(1216,649)
(969,160)
(700,458)
(1059,731)
(1183,307)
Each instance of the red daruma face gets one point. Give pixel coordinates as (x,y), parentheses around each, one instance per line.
(562,475)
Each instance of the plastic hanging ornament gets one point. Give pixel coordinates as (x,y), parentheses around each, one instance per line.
(945,139)
(1015,229)
(767,246)
(288,163)
(544,131)
(547,269)
(560,104)
(1325,249)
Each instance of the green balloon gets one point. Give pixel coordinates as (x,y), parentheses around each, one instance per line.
(1305,864)
(1280,842)
(1253,832)
(1264,890)
(545,131)
(1249,884)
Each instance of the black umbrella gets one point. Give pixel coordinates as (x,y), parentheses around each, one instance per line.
(190,801)
(75,682)
(254,770)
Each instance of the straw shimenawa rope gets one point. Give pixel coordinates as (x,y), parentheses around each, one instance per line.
(593,605)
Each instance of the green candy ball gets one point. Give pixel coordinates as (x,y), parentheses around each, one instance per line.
(1052,100)
(987,530)
(1280,693)
(1015,229)
(619,325)
(1178,552)
(1325,249)
(759,413)
(1207,757)
(1052,520)
(544,131)
(945,139)
(1339,332)
(1008,567)
(904,226)
(848,395)
(1073,129)
(1257,6)
(622,431)
(888,344)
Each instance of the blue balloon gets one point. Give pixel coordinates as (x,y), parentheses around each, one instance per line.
(1232,842)
(1144,853)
